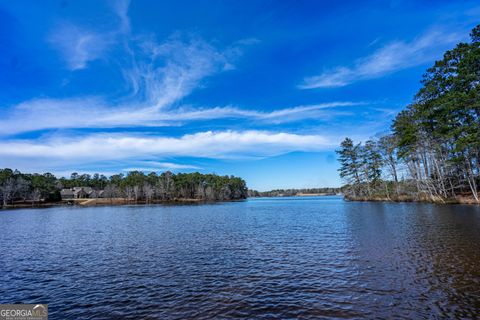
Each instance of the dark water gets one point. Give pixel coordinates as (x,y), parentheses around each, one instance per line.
(264,258)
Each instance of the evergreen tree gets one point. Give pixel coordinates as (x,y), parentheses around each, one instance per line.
(349,159)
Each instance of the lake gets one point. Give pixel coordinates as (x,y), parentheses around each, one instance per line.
(265,258)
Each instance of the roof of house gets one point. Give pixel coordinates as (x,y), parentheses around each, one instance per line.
(66,192)
(88,189)
(77,190)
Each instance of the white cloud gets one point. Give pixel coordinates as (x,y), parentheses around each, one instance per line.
(209,144)
(79,46)
(94,112)
(395,56)
(149,166)
(164,73)
(120,7)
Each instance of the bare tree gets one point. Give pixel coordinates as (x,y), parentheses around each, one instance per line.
(129,192)
(36,194)
(8,189)
(137,191)
(111,191)
(148,192)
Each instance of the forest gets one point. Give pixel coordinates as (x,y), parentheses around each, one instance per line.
(433,150)
(17,187)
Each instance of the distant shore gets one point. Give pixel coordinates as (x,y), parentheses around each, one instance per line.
(304,192)
(315,194)
(296,195)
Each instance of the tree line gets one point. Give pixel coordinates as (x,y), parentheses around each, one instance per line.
(293,192)
(433,150)
(135,186)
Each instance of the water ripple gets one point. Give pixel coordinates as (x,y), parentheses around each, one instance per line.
(305,258)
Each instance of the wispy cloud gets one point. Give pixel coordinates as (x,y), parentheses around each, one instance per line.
(395,56)
(95,112)
(210,144)
(164,73)
(154,166)
(120,7)
(79,46)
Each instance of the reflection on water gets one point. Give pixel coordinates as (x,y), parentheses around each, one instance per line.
(262,258)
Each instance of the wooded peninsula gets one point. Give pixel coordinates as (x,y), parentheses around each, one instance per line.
(19,189)
(433,150)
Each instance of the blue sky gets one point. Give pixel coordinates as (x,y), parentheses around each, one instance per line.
(265,90)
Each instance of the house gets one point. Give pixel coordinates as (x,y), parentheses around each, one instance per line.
(67,194)
(92,193)
(89,192)
(80,193)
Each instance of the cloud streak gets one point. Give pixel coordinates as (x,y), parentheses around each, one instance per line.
(94,112)
(154,166)
(209,144)
(395,56)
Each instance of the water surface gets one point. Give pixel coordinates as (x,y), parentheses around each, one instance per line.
(308,257)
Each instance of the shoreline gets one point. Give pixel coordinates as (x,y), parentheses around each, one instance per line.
(102,202)
(459,200)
